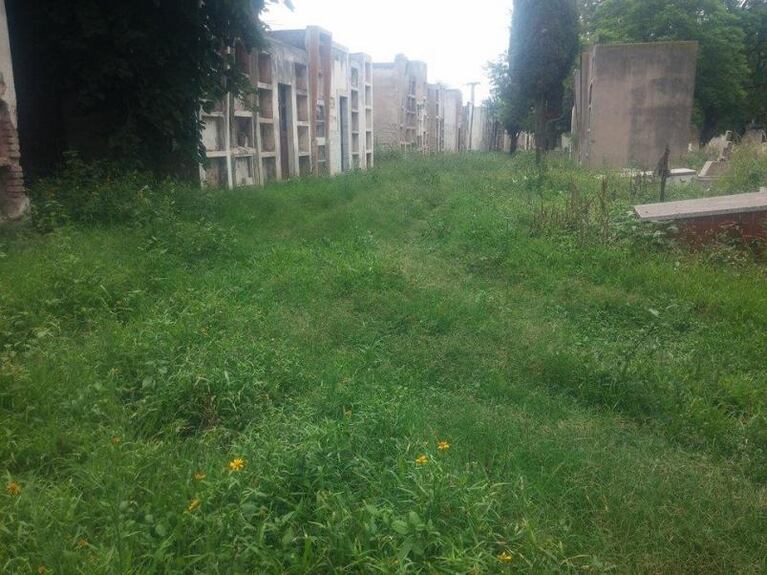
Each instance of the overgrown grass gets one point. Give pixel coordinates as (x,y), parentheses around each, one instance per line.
(602,390)
(747,171)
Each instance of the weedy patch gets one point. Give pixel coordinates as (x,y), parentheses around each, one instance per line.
(455,364)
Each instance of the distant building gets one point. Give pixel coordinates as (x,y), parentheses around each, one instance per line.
(401,94)
(311,112)
(13,200)
(633,100)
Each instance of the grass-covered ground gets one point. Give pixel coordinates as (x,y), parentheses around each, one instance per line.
(603,392)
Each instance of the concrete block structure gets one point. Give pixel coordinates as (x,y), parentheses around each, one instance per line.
(413,115)
(400,104)
(632,101)
(310,112)
(704,219)
(13,200)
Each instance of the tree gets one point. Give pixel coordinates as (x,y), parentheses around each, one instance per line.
(752,15)
(126,79)
(543,48)
(506,104)
(720,91)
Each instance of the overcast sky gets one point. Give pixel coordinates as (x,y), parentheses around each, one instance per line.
(456,39)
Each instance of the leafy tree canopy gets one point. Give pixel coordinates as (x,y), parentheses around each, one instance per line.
(752,15)
(138,71)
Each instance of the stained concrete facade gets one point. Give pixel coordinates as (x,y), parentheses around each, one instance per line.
(633,100)
(13,200)
(411,113)
(311,112)
(400,103)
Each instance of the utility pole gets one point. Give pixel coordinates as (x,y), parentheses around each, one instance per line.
(473,86)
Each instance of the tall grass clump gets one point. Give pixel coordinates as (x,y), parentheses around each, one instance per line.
(746,172)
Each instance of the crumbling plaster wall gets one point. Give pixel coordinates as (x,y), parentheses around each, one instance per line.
(13,201)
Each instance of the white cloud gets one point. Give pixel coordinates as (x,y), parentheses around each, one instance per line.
(455,39)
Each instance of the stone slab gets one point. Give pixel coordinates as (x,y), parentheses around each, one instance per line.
(704,207)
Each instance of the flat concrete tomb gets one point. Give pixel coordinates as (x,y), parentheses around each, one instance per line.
(743,215)
(704,207)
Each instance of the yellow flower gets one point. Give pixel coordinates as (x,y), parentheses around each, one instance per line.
(82,543)
(42,570)
(236,464)
(506,557)
(199,475)
(116,440)
(443,446)
(194,504)
(13,488)
(422,460)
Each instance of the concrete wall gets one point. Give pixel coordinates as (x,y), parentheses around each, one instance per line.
(6,64)
(633,100)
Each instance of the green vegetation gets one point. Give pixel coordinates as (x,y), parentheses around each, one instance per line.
(602,390)
(747,171)
(132,75)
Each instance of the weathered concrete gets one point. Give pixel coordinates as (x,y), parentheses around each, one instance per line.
(311,113)
(716,206)
(633,100)
(13,200)
(400,98)
(705,218)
